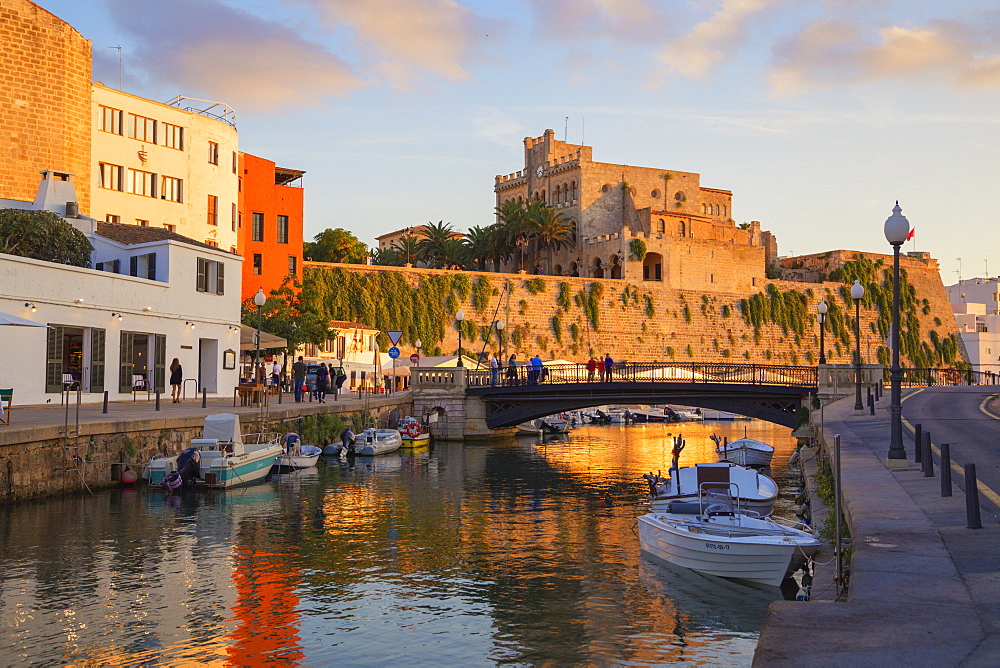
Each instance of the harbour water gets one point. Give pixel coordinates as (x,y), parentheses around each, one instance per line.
(510,552)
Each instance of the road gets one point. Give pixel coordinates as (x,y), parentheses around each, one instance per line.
(961,416)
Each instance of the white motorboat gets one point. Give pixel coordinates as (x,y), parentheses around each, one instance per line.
(712,414)
(374,441)
(751,490)
(546,425)
(222,458)
(686,414)
(745,452)
(646,415)
(725,542)
(296,456)
(414,434)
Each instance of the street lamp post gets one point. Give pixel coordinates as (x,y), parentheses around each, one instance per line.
(499,327)
(259,300)
(418,352)
(459,317)
(821,309)
(896,229)
(857,292)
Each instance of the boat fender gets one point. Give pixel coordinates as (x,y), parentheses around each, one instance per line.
(128,476)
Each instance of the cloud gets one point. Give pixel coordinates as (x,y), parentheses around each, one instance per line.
(829,52)
(714,40)
(403,39)
(496,126)
(210,49)
(625,21)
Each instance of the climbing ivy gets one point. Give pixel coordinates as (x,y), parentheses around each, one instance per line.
(482,290)
(565,298)
(535,285)
(650,309)
(557,328)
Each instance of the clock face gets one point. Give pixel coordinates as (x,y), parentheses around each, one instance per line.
(540,170)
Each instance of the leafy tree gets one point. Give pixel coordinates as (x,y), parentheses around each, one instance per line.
(43,235)
(387,257)
(336,245)
(549,229)
(407,248)
(288,313)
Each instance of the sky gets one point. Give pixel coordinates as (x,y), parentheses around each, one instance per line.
(817,115)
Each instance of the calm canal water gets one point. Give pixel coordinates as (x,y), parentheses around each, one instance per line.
(512,552)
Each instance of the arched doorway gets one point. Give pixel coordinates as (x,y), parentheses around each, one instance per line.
(616,267)
(652,267)
(598,268)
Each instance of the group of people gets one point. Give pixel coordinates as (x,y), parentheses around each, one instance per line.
(605,367)
(536,371)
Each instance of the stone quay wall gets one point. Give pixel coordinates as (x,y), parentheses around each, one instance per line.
(650,321)
(40,462)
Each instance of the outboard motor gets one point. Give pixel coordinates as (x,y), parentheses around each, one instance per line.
(347,439)
(189,466)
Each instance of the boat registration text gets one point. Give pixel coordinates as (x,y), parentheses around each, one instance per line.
(716,546)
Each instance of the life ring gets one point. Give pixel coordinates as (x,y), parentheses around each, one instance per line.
(413,430)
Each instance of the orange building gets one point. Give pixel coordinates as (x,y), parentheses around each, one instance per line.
(269,224)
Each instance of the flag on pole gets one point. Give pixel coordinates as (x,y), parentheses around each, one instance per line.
(910,235)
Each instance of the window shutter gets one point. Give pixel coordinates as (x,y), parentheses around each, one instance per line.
(221,280)
(98,338)
(202,283)
(133,266)
(151,267)
(99,266)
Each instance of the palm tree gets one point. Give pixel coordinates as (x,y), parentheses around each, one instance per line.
(407,247)
(453,254)
(431,246)
(512,216)
(552,230)
(478,244)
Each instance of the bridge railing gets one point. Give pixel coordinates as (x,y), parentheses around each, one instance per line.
(939,377)
(648,372)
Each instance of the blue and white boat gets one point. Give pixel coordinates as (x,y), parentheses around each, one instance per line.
(224,456)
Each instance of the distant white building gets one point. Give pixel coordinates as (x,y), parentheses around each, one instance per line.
(975,303)
(171,166)
(150,296)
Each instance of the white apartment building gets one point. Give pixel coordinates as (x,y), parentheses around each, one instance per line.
(150,296)
(171,166)
(974,302)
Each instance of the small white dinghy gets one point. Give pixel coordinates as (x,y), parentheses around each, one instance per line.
(745,452)
(547,425)
(296,456)
(725,542)
(374,441)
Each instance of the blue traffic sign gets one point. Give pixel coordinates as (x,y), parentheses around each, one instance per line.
(393,352)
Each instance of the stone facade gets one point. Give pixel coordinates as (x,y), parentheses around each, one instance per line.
(612,204)
(45,70)
(649,321)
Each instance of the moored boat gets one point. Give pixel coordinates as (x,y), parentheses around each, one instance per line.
(222,458)
(547,425)
(716,539)
(296,456)
(413,434)
(373,441)
(744,451)
(749,489)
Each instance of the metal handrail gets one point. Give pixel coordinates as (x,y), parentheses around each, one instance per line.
(651,372)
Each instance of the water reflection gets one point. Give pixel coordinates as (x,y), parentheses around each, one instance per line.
(520,551)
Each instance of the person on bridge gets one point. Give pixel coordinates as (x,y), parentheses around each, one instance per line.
(494,369)
(536,370)
(608,365)
(512,370)
(591,369)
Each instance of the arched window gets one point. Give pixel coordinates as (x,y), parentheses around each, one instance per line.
(704,208)
(661,226)
(558,194)
(598,269)
(558,270)
(573,269)
(716,209)
(681,230)
(573,192)
(723,209)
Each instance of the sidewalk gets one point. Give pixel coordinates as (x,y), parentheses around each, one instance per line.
(40,422)
(924,589)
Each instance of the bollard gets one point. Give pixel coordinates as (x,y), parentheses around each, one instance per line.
(105,402)
(945,469)
(871,403)
(972,518)
(157,401)
(279,392)
(927,462)
(871,397)
(204,397)
(916,443)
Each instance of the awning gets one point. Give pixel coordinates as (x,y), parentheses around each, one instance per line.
(248,333)
(8,319)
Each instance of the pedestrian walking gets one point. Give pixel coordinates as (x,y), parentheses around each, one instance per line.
(591,369)
(512,370)
(276,377)
(322,382)
(608,365)
(299,378)
(176,378)
(536,370)
(494,369)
